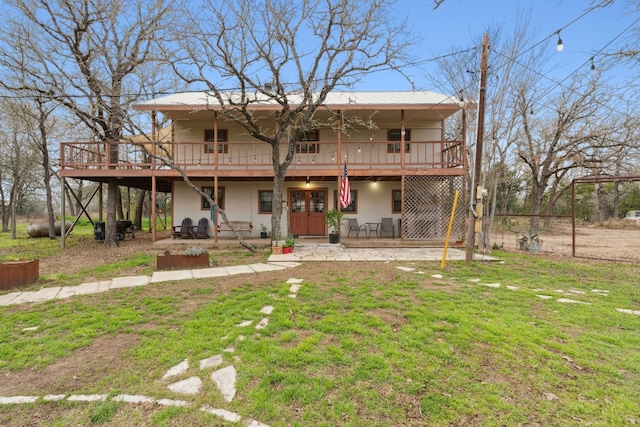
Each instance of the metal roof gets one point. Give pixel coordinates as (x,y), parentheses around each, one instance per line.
(335,99)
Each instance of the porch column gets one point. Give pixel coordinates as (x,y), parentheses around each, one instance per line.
(402,131)
(154,208)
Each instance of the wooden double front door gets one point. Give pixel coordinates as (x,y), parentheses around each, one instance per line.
(306,212)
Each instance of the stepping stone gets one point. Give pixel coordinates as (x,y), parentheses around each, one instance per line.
(178,369)
(262,267)
(45,294)
(295,288)
(87,397)
(32,328)
(474,280)
(437,276)
(133,398)
(171,402)
(129,282)
(294,281)
(206,273)
(263,323)
(627,311)
(66,292)
(8,298)
(512,288)
(225,379)
(211,362)
(53,397)
(267,309)
(405,268)
(88,288)
(491,285)
(17,399)
(544,296)
(232,417)
(244,324)
(191,385)
(238,269)
(572,301)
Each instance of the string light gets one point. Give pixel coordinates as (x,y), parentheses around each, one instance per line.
(560,45)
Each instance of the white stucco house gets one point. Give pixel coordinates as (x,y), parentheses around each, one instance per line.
(400,166)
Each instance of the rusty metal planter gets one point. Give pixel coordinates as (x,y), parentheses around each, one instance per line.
(19,273)
(181,262)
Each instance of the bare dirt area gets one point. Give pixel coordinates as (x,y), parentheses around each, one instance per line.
(615,241)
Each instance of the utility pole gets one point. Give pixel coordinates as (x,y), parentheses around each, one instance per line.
(474,223)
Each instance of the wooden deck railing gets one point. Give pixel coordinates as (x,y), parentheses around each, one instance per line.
(241,156)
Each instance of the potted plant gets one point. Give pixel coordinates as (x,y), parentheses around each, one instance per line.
(287,246)
(263,231)
(530,242)
(193,257)
(276,246)
(333,218)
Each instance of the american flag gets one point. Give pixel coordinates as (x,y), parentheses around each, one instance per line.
(345,190)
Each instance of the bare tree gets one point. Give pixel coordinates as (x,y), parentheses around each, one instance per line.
(16,156)
(512,61)
(552,143)
(89,56)
(291,53)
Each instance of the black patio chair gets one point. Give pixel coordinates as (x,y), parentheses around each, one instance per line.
(185,230)
(354,226)
(202,229)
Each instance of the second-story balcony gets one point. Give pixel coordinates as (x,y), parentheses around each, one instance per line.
(245,159)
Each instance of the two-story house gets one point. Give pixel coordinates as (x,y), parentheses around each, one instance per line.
(401,167)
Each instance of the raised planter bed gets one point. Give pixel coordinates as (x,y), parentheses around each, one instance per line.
(19,273)
(181,262)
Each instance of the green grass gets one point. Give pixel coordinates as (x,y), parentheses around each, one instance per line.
(363,344)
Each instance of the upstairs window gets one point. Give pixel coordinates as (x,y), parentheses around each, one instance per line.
(306,146)
(222,138)
(396,135)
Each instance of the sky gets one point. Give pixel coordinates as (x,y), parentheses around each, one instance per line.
(462,23)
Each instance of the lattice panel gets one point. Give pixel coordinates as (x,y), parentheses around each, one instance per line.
(427,207)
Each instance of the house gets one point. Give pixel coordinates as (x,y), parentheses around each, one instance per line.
(400,163)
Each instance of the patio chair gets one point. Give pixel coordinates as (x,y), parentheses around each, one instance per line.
(353,225)
(185,230)
(201,231)
(387,225)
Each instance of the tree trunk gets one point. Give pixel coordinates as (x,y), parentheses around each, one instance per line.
(537,194)
(13,200)
(603,208)
(5,217)
(140,209)
(111,238)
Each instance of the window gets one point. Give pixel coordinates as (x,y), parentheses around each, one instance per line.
(222,137)
(353,207)
(265,201)
(209,190)
(396,201)
(396,135)
(307,148)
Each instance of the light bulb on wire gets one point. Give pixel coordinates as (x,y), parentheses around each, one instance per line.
(560,45)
